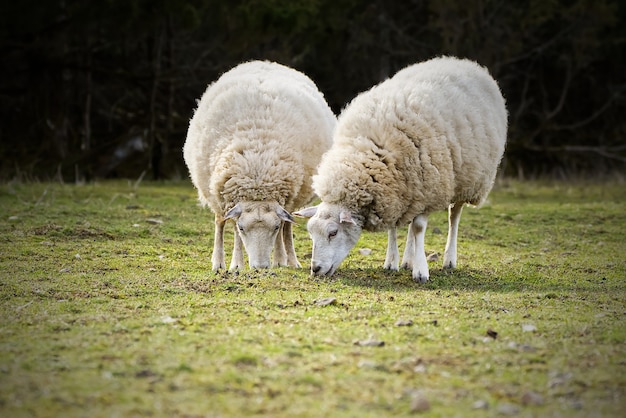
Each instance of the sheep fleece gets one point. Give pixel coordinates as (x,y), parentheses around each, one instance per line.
(431,135)
(257,135)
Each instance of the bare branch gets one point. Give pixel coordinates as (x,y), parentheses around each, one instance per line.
(607,152)
(589,119)
(564,90)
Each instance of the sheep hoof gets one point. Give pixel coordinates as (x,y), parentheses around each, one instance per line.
(420,278)
(296,265)
(449,265)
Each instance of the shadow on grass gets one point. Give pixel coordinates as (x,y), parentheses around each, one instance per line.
(461,279)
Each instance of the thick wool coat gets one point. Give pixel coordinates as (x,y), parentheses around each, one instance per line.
(430,136)
(258,134)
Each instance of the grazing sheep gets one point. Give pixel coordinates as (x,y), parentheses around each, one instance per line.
(429,138)
(252,147)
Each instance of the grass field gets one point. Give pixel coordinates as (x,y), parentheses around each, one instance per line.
(108,307)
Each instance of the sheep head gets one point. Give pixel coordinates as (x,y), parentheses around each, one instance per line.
(258,224)
(334,231)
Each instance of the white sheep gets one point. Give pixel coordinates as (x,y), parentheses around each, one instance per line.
(252,146)
(429,138)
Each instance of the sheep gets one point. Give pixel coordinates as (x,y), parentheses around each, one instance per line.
(252,146)
(430,138)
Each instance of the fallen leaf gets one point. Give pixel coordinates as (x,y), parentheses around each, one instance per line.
(369,343)
(365,251)
(508,409)
(153,221)
(521,347)
(326,302)
(432,257)
(404,323)
(529,328)
(558,379)
(491,333)
(144,373)
(480,404)
(369,364)
(532,398)
(420,368)
(19,308)
(419,402)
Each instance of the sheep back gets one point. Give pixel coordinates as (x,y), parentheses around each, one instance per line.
(258,134)
(431,135)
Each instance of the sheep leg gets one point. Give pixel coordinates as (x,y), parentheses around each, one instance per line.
(409,250)
(454,217)
(420,264)
(237,261)
(280,257)
(292,259)
(392,257)
(218,245)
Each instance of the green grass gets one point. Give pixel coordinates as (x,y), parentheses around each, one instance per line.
(108,307)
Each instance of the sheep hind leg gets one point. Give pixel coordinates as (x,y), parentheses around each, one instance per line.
(408,258)
(237,261)
(392,257)
(420,265)
(218,245)
(454,217)
(292,259)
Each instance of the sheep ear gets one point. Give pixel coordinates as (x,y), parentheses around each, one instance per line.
(346,216)
(235,212)
(284,215)
(306,212)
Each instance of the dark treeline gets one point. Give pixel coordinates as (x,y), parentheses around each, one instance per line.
(106,88)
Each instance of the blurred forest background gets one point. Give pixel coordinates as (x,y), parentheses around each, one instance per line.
(106,88)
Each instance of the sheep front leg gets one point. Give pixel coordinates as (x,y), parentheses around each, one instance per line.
(280,257)
(392,257)
(237,261)
(292,259)
(454,217)
(420,264)
(218,245)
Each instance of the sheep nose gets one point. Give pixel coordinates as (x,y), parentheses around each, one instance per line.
(260,266)
(315,268)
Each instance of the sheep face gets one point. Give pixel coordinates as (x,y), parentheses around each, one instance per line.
(334,233)
(258,225)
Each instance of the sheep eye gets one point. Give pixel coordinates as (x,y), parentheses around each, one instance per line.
(240,228)
(276,227)
(332,234)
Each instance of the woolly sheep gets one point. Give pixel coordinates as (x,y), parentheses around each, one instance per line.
(252,146)
(430,138)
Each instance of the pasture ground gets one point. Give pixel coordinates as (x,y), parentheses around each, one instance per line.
(108,307)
